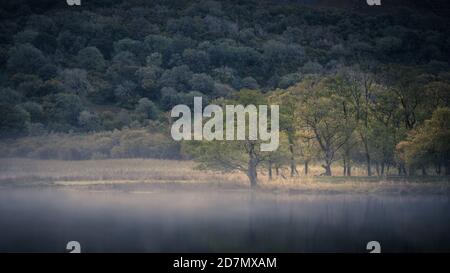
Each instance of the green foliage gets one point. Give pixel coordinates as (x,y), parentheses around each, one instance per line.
(429,143)
(9,96)
(91,58)
(178,77)
(147,109)
(148,78)
(202,82)
(25,58)
(89,121)
(170,97)
(322,111)
(249,83)
(75,81)
(389,44)
(13,120)
(198,60)
(237,155)
(35,110)
(63,108)
(126,93)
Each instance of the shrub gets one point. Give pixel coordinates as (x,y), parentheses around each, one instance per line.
(126,143)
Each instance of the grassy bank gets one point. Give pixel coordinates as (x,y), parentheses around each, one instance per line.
(151,174)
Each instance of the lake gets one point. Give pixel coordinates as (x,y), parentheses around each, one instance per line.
(45,219)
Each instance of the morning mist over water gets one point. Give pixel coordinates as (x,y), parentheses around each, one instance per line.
(44,220)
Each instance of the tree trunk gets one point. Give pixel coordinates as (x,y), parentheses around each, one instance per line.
(306,167)
(327,168)
(369,170)
(438,169)
(347,162)
(345,167)
(291,151)
(367,153)
(403,169)
(270,170)
(294,171)
(252,174)
(252,164)
(424,171)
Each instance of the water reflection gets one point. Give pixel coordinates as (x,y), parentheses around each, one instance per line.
(44,220)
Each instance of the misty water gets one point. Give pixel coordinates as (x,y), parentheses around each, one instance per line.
(45,219)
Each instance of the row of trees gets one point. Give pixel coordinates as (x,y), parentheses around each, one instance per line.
(397,118)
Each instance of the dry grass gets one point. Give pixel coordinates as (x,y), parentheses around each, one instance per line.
(105,171)
(142,173)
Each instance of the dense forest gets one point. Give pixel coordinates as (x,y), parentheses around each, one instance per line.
(355,86)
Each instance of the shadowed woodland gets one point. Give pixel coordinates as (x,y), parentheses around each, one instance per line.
(357,87)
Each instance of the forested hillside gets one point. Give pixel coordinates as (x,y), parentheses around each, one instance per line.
(113,64)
